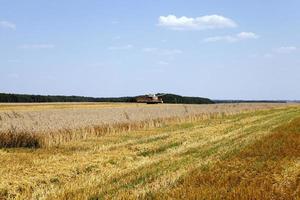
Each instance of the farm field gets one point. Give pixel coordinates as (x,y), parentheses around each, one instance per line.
(137,151)
(45,125)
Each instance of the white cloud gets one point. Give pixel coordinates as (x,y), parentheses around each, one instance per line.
(37,46)
(232,38)
(220,38)
(8,25)
(125,47)
(285,50)
(198,23)
(247,35)
(167,52)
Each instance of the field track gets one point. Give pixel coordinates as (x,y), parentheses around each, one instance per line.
(146,163)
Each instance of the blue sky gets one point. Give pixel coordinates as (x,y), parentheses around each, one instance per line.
(218,49)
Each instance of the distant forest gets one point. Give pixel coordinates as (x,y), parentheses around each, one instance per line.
(24,98)
(167,98)
(250,101)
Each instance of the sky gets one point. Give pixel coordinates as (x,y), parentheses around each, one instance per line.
(225,49)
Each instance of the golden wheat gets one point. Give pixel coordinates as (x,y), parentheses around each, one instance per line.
(45,125)
(144,163)
(267,169)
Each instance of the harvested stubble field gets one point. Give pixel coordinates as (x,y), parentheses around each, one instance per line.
(131,151)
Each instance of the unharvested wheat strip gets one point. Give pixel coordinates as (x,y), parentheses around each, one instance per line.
(56,120)
(25,107)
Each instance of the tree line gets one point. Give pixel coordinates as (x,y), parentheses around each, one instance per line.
(25,98)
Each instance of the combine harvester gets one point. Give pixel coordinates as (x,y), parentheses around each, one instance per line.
(150,99)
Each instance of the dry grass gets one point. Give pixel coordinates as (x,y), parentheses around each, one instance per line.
(140,164)
(46,125)
(267,169)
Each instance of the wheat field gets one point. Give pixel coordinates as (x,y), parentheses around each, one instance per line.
(45,125)
(136,151)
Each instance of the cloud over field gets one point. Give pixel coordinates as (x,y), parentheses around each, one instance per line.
(232,38)
(199,23)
